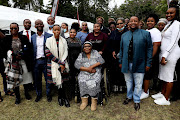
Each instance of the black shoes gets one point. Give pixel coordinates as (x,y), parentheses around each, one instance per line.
(49,98)
(60,100)
(126,101)
(17,101)
(38,98)
(28,97)
(66,102)
(136,106)
(63,101)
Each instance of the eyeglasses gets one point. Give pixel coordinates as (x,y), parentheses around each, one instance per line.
(14,28)
(119,23)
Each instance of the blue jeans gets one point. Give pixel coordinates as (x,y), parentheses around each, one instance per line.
(138,81)
(39,68)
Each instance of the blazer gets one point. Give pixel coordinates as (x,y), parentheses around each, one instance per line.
(6,44)
(142,50)
(33,43)
(32,33)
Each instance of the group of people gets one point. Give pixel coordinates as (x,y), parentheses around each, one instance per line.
(132,55)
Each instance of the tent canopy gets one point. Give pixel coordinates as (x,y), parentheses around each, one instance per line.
(9,15)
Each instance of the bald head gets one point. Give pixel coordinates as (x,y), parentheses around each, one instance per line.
(50,20)
(39,25)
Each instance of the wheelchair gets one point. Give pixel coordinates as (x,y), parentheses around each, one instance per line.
(105,88)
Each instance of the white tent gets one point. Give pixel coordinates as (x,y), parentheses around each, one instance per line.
(9,15)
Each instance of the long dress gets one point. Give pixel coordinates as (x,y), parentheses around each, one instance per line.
(89,83)
(170,50)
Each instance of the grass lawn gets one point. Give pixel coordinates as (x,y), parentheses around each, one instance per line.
(114,110)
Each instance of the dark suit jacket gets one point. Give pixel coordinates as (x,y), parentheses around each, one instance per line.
(33,43)
(32,32)
(6,44)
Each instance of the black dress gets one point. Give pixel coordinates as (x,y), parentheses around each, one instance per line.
(74,48)
(117,77)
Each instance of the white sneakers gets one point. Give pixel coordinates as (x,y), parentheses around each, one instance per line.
(144,95)
(162,101)
(156,96)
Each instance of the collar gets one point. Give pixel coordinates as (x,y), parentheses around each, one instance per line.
(41,34)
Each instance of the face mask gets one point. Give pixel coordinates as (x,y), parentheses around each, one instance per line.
(50,26)
(64,30)
(121,28)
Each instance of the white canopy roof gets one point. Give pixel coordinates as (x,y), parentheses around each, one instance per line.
(9,15)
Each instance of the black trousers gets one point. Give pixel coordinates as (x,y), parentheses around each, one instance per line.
(17,93)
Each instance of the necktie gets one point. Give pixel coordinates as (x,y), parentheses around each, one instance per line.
(27,34)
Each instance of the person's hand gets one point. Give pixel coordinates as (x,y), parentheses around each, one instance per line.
(93,71)
(62,68)
(100,52)
(120,65)
(147,68)
(114,54)
(163,61)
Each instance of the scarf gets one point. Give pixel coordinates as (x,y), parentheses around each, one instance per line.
(51,44)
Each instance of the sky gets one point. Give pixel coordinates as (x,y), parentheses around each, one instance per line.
(111,4)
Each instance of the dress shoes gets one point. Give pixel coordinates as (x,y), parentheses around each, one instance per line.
(49,98)
(28,97)
(126,101)
(61,101)
(17,101)
(38,98)
(66,103)
(136,106)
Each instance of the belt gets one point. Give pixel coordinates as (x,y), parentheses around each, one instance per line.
(41,58)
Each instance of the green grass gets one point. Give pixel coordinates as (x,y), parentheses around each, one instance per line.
(114,110)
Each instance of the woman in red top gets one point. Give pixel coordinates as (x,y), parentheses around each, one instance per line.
(97,38)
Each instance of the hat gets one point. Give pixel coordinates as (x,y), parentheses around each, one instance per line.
(87,42)
(163,20)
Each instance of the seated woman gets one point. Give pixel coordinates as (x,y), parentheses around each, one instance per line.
(89,78)
(56,51)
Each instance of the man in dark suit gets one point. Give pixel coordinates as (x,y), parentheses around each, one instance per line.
(38,41)
(27,31)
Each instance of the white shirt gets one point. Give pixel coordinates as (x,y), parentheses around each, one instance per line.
(40,46)
(66,35)
(50,31)
(25,33)
(155,35)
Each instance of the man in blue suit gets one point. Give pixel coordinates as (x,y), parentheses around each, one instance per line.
(135,58)
(38,41)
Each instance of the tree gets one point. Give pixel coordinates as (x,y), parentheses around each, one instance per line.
(140,8)
(4,2)
(35,5)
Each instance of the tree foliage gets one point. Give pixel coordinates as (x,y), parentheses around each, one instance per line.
(35,5)
(4,2)
(140,8)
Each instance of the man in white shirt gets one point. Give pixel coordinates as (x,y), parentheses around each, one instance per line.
(27,31)
(38,41)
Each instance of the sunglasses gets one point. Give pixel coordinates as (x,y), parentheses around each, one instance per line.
(14,28)
(119,23)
